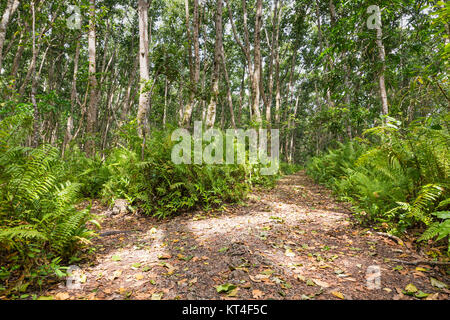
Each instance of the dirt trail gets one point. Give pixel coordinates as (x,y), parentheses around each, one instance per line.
(292,242)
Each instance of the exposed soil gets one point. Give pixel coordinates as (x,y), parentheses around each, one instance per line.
(291,242)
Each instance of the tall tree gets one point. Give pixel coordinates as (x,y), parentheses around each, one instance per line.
(254,64)
(194,66)
(73,99)
(257,64)
(11,7)
(144,94)
(91,119)
(211,114)
(381,76)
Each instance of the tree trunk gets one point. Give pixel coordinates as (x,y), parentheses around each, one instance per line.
(257,64)
(254,67)
(127,102)
(321,45)
(382,57)
(241,96)
(166,88)
(194,66)
(73,100)
(346,74)
(277,70)
(35,139)
(91,119)
(19,53)
(144,96)
(228,84)
(211,113)
(273,52)
(31,69)
(10,9)
(291,130)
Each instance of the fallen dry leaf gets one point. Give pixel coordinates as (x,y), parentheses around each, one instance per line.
(165,256)
(62,296)
(322,284)
(116,274)
(157,296)
(139,276)
(338,294)
(289,253)
(193,281)
(233,293)
(257,294)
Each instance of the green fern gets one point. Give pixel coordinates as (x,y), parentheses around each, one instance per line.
(399,177)
(22,232)
(37,215)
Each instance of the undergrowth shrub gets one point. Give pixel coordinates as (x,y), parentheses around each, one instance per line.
(90,173)
(161,188)
(289,168)
(39,225)
(399,176)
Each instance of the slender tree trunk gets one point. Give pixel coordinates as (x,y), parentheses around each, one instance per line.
(228,84)
(194,66)
(273,52)
(19,52)
(109,113)
(195,34)
(144,97)
(277,90)
(211,113)
(35,139)
(292,130)
(127,101)
(321,45)
(241,97)
(346,73)
(31,69)
(257,63)
(180,105)
(254,67)
(348,100)
(35,53)
(222,114)
(382,57)
(73,100)
(166,88)
(204,106)
(10,9)
(277,69)
(204,73)
(91,119)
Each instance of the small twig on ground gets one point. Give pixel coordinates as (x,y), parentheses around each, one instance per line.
(417,262)
(390,236)
(111,233)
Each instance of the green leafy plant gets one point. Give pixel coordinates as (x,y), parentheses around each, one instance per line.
(395,176)
(39,224)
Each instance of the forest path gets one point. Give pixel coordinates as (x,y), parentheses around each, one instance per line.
(291,242)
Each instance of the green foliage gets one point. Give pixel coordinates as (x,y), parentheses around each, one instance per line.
(162,188)
(38,220)
(89,173)
(288,169)
(440,228)
(397,175)
(335,163)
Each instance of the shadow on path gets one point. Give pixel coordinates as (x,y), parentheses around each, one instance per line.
(292,242)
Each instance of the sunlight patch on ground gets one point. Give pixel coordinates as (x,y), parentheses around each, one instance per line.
(237,225)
